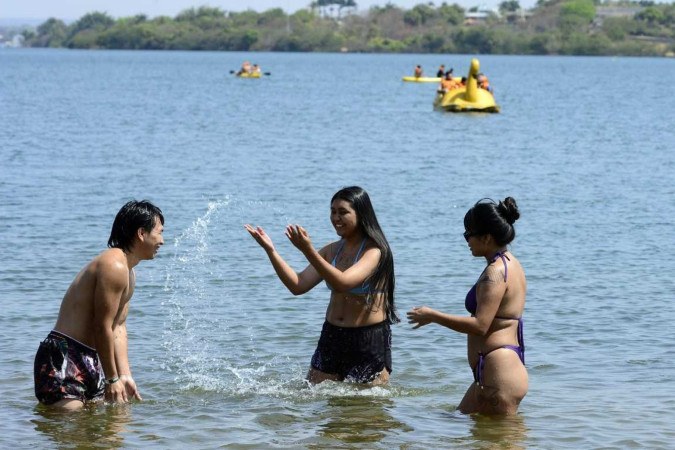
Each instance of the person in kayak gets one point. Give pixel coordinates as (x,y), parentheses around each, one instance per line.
(245,68)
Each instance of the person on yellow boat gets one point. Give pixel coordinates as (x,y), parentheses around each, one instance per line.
(418,71)
(255,69)
(441,71)
(448,83)
(245,68)
(483,82)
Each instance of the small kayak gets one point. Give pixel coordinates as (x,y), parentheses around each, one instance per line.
(249,75)
(422,79)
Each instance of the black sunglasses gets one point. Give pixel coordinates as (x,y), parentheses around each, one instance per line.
(468,234)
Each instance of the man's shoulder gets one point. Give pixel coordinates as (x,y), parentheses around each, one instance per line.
(111,263)
(111,255)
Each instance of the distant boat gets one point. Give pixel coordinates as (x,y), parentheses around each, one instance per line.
(248,75)
(469,98)
(415,79)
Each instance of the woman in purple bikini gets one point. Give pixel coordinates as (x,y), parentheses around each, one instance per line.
(496,349)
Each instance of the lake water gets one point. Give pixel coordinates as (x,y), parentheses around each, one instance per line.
(220,349)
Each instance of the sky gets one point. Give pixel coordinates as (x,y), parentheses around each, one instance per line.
(74,9)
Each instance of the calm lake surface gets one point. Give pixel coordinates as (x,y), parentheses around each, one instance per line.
(220,349)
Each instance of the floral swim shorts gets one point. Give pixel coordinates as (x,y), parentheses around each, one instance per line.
(67,369)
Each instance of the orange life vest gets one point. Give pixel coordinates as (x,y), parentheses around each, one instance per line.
(448,84)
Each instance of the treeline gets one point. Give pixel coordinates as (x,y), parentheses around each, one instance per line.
(568,27)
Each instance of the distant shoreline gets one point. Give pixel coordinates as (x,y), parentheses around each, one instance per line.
(553,27)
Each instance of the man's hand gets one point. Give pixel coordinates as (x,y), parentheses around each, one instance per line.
(130,387)
(115,392)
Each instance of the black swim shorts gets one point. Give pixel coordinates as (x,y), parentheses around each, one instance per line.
(67,369)
(354,354)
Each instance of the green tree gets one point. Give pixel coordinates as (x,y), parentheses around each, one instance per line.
(385,45)
(451,14)
(509,6)
(271,16)
(652,15)
(243,40)
(539,44)
(52,33)
(419,15)
(244,19)
(139,18)
(124,35)
(324,5)
(475,40)
(195,14)
(84,39)
(576,15)
(302,16)
(432,42)
(96,21)
(617,28)
(582,44)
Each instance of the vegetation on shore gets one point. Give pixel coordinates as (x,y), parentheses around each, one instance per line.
(560,27)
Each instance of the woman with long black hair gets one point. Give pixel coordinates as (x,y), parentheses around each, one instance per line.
(355,342)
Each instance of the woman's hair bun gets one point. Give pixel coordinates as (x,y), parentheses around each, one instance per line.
(508,209)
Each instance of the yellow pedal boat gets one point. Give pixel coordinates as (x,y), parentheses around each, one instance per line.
(469,98)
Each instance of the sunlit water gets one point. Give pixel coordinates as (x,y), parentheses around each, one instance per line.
(220,349)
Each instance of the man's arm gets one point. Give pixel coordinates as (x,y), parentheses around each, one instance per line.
(121,350)
(122,358)
(112,280)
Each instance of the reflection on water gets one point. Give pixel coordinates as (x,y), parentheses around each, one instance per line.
(96,424)
(361,419)
(499,432)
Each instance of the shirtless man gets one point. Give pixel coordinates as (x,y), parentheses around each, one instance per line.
(84,358)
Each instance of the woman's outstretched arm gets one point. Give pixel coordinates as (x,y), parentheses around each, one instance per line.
(296,283)
(340,280)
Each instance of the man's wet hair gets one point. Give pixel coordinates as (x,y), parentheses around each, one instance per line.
(133,215)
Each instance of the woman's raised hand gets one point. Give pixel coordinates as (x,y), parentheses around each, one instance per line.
(260,237)
(299,237)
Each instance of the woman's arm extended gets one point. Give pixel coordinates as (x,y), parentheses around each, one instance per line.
(340,281)
(296,283)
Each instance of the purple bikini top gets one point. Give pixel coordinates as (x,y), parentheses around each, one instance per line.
(471,302)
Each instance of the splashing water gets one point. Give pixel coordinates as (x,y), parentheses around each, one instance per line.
(186,278)
(214,340)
